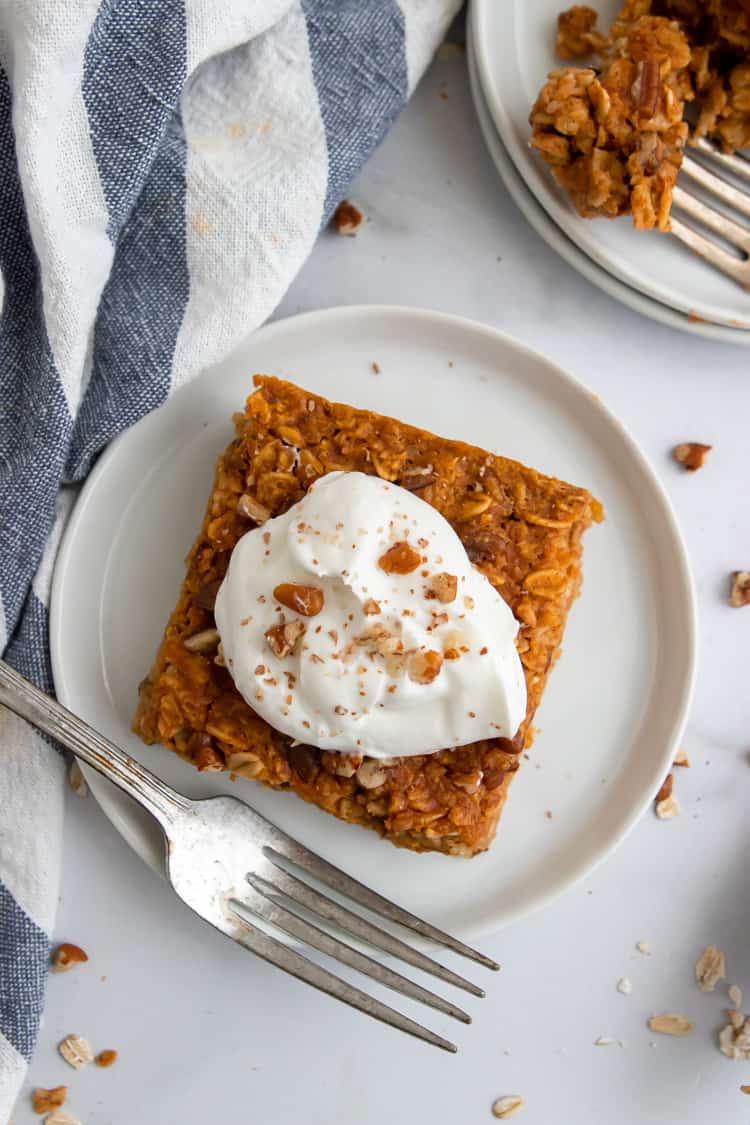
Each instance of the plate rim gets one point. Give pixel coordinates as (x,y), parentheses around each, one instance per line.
(546,227)
(683,582)
(548,199)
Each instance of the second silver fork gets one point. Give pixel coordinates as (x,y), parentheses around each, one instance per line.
(734,262)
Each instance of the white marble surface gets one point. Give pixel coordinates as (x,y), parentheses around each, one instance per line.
(205,1033)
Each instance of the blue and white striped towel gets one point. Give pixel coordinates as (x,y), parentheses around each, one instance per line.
(165,168)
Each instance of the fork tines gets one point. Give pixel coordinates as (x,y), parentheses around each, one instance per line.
(734,262)
(292,905)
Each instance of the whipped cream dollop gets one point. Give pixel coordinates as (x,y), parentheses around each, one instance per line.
(356,622)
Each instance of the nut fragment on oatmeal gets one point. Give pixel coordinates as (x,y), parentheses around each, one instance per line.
(576,33)
(670,1024)
(248,506)
(734,1038)
(424,667)
(691,454)
(106,1058)
(307,600)
(444,587)
(507,1106)
(43,1101)
(710,968)
(401,558)
(739,594)
(76,1051)
(283,638)
(205,641)
(66,956)
(667,809)
(614,140)
(347,219)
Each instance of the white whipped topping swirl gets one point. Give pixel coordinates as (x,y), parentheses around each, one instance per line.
(356,622)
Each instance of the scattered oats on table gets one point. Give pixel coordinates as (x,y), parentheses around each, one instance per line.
(625,986)
(670,1024)
(644,948)
(735,995)
(681,759)
(734,1038)
(76,1051)
(60,1117)
(507,1106)
(710,968)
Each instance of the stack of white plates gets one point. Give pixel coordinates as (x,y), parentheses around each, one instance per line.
(510,50)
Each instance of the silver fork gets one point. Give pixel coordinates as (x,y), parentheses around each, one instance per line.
(229,864)
(734,265)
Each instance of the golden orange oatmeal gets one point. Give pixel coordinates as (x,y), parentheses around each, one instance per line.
(668,71)
(522,530)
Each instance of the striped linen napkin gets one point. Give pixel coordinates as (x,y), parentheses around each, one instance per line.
(165,168)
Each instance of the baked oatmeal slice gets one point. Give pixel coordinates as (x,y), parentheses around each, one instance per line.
(614,140)
(521,529)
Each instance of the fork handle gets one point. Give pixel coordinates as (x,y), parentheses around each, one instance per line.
(28,702)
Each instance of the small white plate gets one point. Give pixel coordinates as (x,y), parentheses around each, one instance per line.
(573,255)
(615,705)
(514,49)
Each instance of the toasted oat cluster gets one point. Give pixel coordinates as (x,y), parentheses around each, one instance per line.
(523,530)
(614,137)
(615,140)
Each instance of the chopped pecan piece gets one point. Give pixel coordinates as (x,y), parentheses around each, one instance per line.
(106,1058)
(283,638)
(418,479)
(66,956)
(207,758)
(740,592)
(307,600)
(401,558)
(205,598)
(371,607)
(424,667)
(347,219)
(691,454)
(444,587)
(44,1101)
(304,761)
(666,789)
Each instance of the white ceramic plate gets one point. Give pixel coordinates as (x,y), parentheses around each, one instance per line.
(573,255)
(513,44)
(616,703)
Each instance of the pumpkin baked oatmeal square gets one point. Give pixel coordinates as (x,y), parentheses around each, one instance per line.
(520,529)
